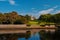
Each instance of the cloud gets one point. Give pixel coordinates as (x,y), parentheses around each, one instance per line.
(57,11)
(12,2)
(47,10)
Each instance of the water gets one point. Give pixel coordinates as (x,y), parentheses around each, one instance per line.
(44,34)
(34,34)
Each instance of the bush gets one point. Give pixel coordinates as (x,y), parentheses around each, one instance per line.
(28,25)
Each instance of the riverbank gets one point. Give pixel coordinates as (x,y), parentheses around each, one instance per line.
(24,26)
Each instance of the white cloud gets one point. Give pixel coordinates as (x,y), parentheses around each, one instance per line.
(12,2)
(47,10)
(57,11)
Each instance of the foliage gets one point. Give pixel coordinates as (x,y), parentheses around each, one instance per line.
(12,18)
(49,19)
(28,18)
(57,18)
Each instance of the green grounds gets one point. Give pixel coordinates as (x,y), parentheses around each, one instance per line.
(32,22)
(39,23)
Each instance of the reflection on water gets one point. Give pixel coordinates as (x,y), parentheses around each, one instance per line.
(44,34)
(33,34)
(39,34)
(30,36)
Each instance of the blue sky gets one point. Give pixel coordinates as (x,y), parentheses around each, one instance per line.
(31,7)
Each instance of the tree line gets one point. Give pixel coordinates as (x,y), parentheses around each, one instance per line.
(13,18)
(50,18)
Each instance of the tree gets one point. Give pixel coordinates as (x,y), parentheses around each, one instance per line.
(2,18)
(45,18)
(20,20)
(57,18)
(28,18)
(13,16)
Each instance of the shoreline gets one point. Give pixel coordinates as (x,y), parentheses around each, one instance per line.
(11,26)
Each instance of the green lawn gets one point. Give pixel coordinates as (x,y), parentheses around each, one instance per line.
(43,23)
(32,22)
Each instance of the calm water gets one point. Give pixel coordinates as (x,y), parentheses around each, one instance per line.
(33,34)
(44,34)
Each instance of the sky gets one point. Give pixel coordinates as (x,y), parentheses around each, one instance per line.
(30,7)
